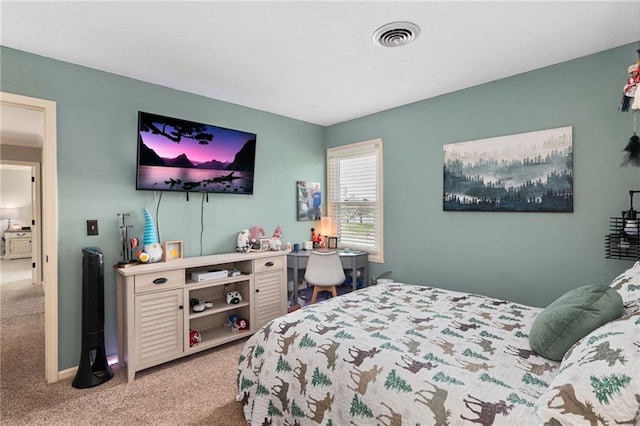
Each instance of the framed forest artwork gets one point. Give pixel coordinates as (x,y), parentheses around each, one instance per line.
(526,172)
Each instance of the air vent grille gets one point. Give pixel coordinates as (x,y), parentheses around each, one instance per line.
(396,34)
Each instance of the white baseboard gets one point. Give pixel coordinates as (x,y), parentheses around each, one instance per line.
(69,372)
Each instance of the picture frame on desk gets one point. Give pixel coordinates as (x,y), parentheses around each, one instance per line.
(172,250)
(332,242)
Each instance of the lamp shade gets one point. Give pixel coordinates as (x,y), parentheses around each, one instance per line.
(325,225)
(9,213)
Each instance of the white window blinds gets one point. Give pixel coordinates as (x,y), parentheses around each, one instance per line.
(354,175)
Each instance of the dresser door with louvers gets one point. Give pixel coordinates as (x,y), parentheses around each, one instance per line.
(158,327)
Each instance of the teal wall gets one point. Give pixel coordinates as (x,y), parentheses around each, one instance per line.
(97,122)
(526,257)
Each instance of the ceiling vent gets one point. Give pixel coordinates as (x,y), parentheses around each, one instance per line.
(396,34)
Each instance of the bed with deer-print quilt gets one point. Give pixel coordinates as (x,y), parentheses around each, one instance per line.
(396,354)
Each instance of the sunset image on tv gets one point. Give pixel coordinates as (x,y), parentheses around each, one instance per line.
(181,155)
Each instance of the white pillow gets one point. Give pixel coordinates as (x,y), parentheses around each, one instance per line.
(628,285)
(598,380)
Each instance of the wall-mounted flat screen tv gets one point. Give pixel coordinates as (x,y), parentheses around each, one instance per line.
(181,155)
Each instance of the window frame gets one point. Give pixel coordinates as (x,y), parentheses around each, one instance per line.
(359,149)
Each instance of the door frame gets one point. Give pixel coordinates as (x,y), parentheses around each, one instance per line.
(49,226)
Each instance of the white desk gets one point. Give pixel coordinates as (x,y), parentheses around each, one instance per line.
(351,261)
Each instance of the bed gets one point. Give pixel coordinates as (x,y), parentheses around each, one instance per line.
(403,354)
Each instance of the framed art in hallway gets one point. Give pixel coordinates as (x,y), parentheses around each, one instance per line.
(309,200)
(526,172)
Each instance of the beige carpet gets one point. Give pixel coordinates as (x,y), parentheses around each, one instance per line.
(199,389)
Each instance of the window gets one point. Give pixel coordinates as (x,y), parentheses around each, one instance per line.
(354,196)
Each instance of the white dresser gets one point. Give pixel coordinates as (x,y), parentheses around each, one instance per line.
(17,244)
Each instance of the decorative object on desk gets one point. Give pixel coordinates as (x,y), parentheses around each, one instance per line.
(194,338)
(326,229)
(296,247)
(233,298)
(332,243)
(242,242)
(316,239)
(172,250)
(255,233)
(287,246)
(307,245)
(309,200)
(9,214)
(526,172)
(151,248)
(275,244)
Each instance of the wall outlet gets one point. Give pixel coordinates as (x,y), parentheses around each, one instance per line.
(92,227)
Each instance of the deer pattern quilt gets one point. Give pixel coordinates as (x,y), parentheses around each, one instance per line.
(395,354)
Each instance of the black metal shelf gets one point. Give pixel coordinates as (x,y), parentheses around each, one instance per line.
(623,240)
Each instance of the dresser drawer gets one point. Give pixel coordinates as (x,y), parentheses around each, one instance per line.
(267,264)
(154,281)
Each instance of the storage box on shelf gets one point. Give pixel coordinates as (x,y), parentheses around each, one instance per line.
(155,316)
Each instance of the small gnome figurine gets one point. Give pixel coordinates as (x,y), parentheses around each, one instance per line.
(151,248)
(242,242)
(275,244)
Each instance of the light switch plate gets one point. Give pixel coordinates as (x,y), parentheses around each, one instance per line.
(92,227)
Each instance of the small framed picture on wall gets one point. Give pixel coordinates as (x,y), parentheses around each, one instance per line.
(309,200)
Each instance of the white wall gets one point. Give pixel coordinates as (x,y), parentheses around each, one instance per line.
(15,192)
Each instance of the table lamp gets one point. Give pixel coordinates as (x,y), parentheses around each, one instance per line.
(325,228)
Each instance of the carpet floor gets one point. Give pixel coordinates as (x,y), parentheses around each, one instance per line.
(199,389)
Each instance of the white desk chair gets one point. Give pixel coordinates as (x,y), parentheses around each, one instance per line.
(324,272)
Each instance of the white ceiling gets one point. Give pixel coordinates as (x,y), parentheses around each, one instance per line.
(315,60)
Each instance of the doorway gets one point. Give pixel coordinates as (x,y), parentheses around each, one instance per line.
(45,236)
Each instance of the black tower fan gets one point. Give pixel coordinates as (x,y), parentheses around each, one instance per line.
(93,369)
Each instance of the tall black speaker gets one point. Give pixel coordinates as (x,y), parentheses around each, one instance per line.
(94,368)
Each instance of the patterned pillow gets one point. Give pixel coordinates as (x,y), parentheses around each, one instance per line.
(628,285)
(598,381)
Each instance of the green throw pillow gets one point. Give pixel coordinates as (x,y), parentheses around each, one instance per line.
(571,317)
